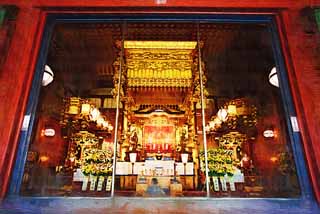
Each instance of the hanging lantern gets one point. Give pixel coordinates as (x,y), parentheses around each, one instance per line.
(74,103)
(232,109)
(100,121)
(47,76)
(49,132)
(94,114)
(273,77)
(222,114)
(268,133)
(85,109)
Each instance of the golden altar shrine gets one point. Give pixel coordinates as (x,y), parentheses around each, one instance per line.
(159,102)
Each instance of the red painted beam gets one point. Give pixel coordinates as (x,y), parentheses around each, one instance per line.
(168,3)
(15,82)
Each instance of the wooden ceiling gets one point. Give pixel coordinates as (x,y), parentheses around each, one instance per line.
(95,43)
(90,49)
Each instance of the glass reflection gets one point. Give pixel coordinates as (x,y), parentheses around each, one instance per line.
(160,148)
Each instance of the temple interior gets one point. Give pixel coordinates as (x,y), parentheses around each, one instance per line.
(177,105)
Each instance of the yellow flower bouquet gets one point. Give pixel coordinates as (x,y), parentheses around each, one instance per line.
(220,162)
(96,162)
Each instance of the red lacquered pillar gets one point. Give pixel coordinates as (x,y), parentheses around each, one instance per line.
(299,43)
(15,82)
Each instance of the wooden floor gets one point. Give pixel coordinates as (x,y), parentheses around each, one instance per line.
(155,205)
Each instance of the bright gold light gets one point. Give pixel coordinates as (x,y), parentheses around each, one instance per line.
(74,105)
(232,109)
(160,44)
(44,158)
(85,109)
(273,159)
(159,63)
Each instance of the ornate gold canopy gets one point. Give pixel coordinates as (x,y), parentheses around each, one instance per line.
(159,63)
(158,74)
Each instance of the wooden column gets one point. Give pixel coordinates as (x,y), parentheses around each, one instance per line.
(299,44)
(15,83)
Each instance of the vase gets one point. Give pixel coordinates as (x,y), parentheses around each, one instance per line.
(215,181)
(108,184)
(223,183)
(100,183)
(85,183)
(231,182)
(93,181)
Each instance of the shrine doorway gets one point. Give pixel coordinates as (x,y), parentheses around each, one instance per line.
(186,106)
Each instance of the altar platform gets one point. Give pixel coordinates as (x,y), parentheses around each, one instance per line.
(173,177)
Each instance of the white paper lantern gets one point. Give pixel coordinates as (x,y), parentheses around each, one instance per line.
(94,114)
(273,77)
(47,76)
(49,132)
(268,133)
(222,114)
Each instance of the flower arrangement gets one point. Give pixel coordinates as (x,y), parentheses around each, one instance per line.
(220,162)
(97,162)
(97,169)
(97,156)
